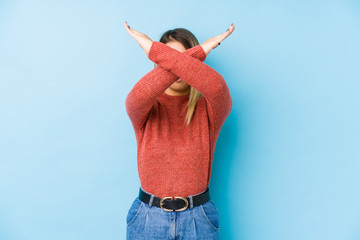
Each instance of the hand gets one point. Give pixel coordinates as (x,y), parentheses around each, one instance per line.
(144,41)
(213,42)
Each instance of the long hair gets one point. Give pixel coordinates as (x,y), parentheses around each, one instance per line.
(188,40)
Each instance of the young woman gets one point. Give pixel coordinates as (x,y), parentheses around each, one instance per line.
(177,111)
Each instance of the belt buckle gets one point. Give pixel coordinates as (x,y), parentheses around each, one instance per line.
(170,210)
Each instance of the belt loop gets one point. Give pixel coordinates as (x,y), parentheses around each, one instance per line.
(151,200)
(191,202)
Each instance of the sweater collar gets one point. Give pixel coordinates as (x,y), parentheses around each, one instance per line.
(173,99)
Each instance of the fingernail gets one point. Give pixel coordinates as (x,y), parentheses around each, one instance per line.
(232,23)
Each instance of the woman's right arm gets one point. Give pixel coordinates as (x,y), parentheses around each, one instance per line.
(143,95)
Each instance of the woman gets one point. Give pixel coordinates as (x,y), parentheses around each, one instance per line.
(175,148)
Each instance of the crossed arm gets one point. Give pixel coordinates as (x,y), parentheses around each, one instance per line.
(145,92)
(190,67)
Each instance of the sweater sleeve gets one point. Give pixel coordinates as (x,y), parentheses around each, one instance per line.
(144,93)
(200,76)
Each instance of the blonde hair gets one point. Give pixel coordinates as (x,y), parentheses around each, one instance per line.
(188,40)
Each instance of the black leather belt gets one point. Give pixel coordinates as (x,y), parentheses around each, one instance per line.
(177,203)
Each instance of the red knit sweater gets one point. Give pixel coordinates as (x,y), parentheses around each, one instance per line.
(175,159)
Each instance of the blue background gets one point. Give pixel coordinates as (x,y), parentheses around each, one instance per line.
(286,164)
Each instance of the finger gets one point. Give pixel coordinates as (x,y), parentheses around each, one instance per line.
(127,25)
(222,36)
(132,30)
(231,28)
(227,32)
(127,28)
(133,33)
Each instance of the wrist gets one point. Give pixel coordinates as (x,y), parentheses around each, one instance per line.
(147,47)
(205,49)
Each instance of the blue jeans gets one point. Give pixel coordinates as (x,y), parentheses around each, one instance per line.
(150,222)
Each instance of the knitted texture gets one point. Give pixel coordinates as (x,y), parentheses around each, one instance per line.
(175,159)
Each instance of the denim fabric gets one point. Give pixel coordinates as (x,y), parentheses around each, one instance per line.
(150,222)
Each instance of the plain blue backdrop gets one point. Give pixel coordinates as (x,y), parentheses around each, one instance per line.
(286,164)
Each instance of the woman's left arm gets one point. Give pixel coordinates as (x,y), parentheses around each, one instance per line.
(198,75)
